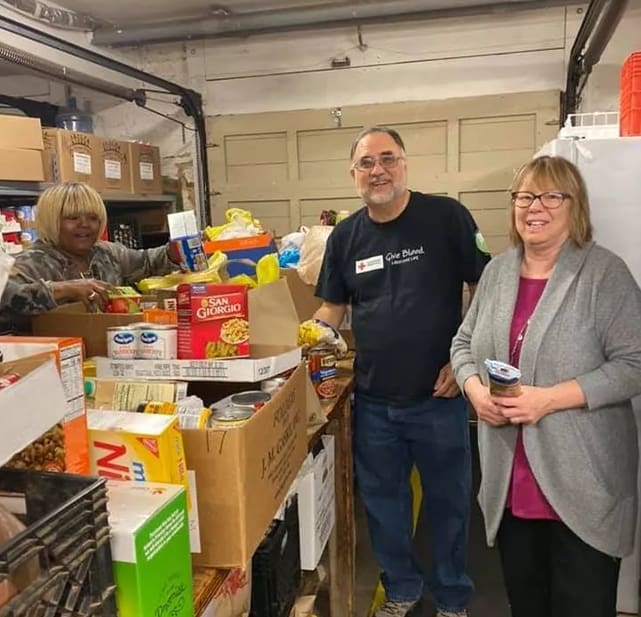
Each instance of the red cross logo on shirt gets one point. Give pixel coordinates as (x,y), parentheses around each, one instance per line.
(361,266)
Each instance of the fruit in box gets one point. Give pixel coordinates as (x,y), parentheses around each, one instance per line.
(124,300)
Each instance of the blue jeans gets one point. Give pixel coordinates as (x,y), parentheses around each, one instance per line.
(388,441)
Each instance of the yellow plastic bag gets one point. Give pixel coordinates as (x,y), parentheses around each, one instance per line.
(267,269)
(240,224)
(211,275)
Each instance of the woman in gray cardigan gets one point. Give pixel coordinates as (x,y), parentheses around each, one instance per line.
(559,461)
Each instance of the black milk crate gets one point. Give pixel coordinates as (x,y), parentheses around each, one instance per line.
(66,539)
(276,570)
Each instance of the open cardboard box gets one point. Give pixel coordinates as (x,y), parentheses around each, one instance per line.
(273,322)
(243,474)
(32,405)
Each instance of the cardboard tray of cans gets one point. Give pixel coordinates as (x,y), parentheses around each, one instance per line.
(265,362)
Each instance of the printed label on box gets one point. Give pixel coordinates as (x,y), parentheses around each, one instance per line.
(146,171)
(113,170)
(82,163)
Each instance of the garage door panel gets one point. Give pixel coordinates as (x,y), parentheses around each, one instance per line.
(326,145)
(323,173)
(257,174)
(485,200)
(254,149)
(500,161)
(497,133)
(468,148)
(424,138)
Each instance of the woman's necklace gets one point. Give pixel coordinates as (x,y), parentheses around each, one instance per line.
(518,342)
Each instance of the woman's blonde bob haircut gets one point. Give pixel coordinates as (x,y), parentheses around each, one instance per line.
(557,173)
(67,200)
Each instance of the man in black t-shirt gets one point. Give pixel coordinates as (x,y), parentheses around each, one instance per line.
(401,262)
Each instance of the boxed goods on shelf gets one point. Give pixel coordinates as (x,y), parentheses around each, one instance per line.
(146,176)
(65,546)
(114,172)
(70,156)
(20,149)
(150,547)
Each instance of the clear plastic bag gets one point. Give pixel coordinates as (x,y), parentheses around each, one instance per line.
(312,253)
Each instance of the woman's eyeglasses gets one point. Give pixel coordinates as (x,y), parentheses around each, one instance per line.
(549,199)
(386,161)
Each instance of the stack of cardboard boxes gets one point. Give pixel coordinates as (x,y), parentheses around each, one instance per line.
(30,153)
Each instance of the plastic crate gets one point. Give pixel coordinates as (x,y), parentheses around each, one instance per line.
(630,96)
(67,537)
(125,229)
(276,570)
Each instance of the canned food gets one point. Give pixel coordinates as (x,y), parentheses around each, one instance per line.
(122,342)
(156,341)
(322,371)
(254,399)
(273,385)
(8,379)
(230,417)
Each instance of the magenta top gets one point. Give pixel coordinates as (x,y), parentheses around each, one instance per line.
(525,498)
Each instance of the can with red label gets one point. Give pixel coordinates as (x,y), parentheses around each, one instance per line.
(322,371)
(8,380)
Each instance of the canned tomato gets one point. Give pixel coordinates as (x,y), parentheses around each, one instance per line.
(322,371)
(230,417)
(8,379)
(156,341)
(255,399)
(122,343)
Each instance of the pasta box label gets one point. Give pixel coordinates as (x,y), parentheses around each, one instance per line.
(213,321)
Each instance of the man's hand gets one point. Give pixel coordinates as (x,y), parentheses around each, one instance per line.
(445,385)
(528,408)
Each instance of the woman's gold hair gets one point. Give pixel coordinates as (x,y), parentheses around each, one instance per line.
(65,200)
(555,172)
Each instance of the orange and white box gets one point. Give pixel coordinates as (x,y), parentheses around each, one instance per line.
(68,354)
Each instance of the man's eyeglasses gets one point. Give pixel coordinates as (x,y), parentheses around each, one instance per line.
(386,161)
(549,199)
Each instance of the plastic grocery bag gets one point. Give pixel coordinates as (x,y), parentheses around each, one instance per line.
(312,253)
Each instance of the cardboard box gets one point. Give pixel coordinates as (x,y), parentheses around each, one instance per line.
(74,320)
(238,250)
(316,503)
(69,359)
(150,549)
(145,169)
(273,322)
(19,133)
(32,405)
(265,362)
(70,156)
(243,474)
(113,174)
(222,593)
(21,165)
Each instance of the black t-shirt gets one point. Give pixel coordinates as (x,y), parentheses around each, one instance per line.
(404,280)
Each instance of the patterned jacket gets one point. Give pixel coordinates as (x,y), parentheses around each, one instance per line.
(27,292)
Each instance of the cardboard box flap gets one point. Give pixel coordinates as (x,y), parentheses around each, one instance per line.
(272,315)
(39,397)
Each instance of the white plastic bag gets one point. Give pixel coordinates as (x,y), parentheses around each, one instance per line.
(312,253)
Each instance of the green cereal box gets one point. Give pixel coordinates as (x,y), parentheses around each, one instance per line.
(150,549)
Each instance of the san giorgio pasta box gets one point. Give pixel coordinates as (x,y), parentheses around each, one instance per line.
(213,321)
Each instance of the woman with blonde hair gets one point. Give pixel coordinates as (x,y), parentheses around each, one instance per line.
(559,460)
(69,262)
